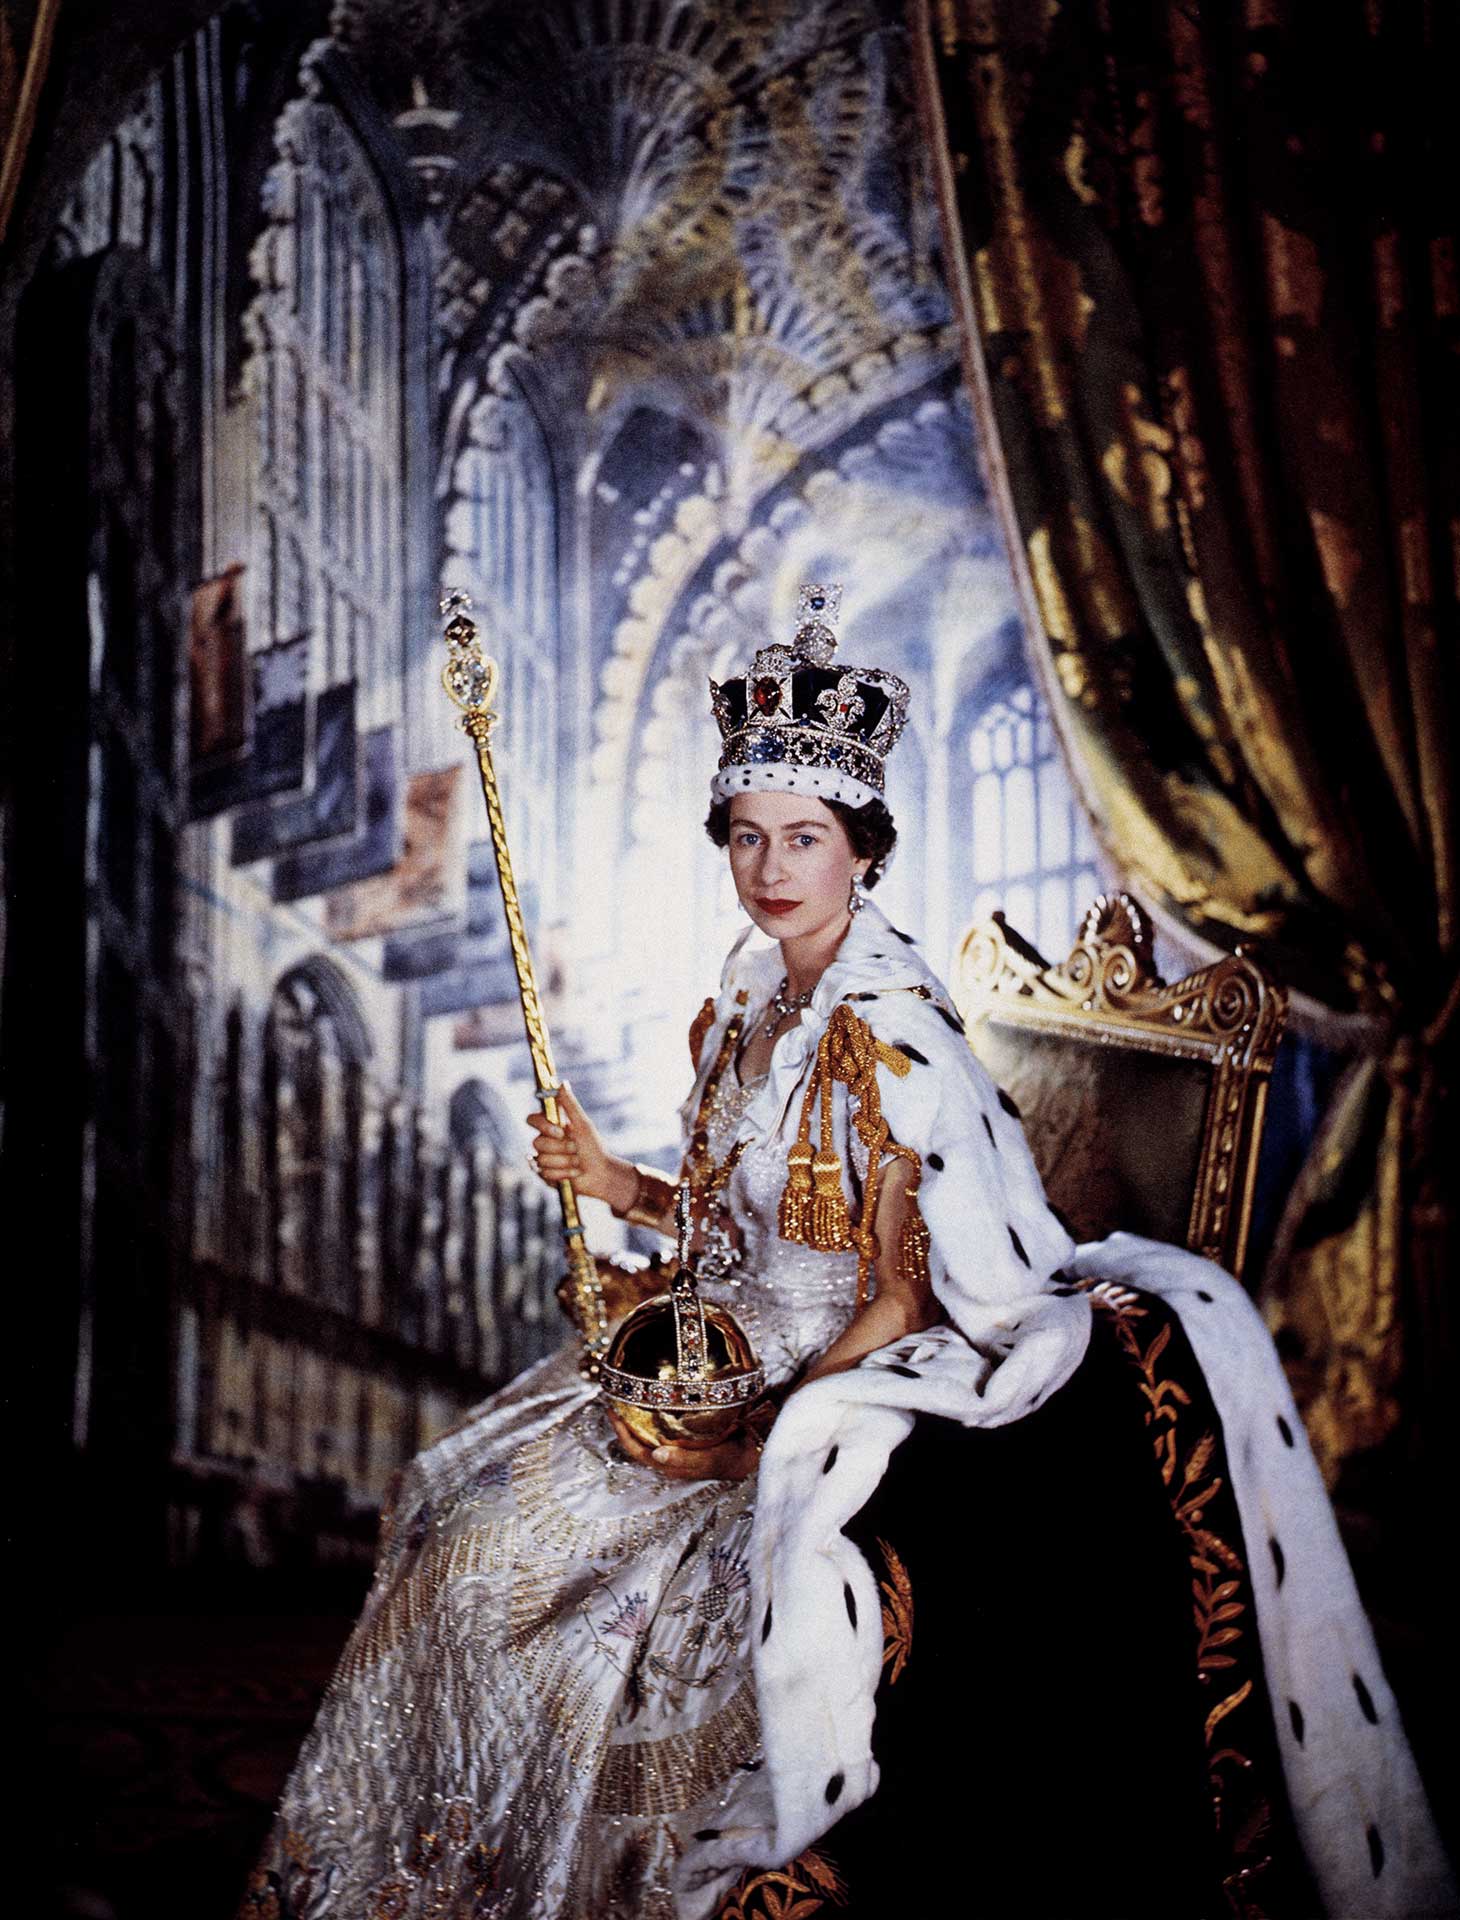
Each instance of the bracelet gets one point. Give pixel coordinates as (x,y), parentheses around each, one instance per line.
(653,1201)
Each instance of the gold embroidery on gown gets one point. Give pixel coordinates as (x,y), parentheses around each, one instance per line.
(555,1652)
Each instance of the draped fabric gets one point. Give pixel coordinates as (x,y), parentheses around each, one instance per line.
(1205,259)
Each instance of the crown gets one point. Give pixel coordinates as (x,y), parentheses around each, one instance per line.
(799,723)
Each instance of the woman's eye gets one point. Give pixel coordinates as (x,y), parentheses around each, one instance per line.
(807,840)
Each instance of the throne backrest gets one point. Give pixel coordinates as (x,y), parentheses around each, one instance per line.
(1143,1102)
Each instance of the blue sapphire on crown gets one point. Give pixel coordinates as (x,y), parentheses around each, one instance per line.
(819,602)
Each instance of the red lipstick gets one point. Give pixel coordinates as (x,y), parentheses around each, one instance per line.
(777,906)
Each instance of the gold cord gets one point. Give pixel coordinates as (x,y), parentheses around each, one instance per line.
(813,1209)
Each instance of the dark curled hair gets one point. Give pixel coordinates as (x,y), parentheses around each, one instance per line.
(870,830)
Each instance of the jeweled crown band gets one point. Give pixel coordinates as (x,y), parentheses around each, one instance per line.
(758,760)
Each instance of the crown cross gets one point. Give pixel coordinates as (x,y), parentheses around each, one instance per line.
(815,639)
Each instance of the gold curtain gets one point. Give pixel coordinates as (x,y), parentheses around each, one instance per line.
(1205,257)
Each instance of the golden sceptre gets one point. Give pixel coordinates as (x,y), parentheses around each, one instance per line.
(470,679)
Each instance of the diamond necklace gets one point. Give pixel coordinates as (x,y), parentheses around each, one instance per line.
(782,1008)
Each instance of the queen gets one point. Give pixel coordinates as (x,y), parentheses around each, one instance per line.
(915,1635)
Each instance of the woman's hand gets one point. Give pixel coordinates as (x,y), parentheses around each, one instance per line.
(732,1459)
(573,1151)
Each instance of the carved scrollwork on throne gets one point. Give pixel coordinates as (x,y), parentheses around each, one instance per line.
(1143,1099)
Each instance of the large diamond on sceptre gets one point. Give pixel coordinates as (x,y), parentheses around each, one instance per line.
(468,677)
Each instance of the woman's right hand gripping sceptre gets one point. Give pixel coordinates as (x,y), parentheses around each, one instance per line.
(573,1151)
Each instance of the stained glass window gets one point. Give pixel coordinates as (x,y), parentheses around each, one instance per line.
(1032,852)
(326,381)
(501,536)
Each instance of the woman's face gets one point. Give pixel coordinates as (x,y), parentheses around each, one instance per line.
(792,862)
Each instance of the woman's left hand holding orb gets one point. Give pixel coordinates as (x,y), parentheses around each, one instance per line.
(733,1459)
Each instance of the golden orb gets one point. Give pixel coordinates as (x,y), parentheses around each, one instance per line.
(680,1371)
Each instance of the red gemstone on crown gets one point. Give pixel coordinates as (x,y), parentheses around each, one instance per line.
(766,695)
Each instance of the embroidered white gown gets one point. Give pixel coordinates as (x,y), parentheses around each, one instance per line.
(549,1692)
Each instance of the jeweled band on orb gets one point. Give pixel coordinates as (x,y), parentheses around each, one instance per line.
(678,1396)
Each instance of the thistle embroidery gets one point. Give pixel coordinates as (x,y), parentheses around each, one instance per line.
(897,1613)
(792,1892)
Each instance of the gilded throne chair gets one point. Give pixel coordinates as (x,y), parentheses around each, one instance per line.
(1143,1101)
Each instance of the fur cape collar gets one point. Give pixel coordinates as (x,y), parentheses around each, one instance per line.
(874,958)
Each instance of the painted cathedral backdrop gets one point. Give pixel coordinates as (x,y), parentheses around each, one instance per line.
(626,318)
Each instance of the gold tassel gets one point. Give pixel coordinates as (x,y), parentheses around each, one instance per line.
(813,1209)
(912,1245)
(831,1224)
(791,1215)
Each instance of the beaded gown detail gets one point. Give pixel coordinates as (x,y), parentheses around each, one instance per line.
(549,1692)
